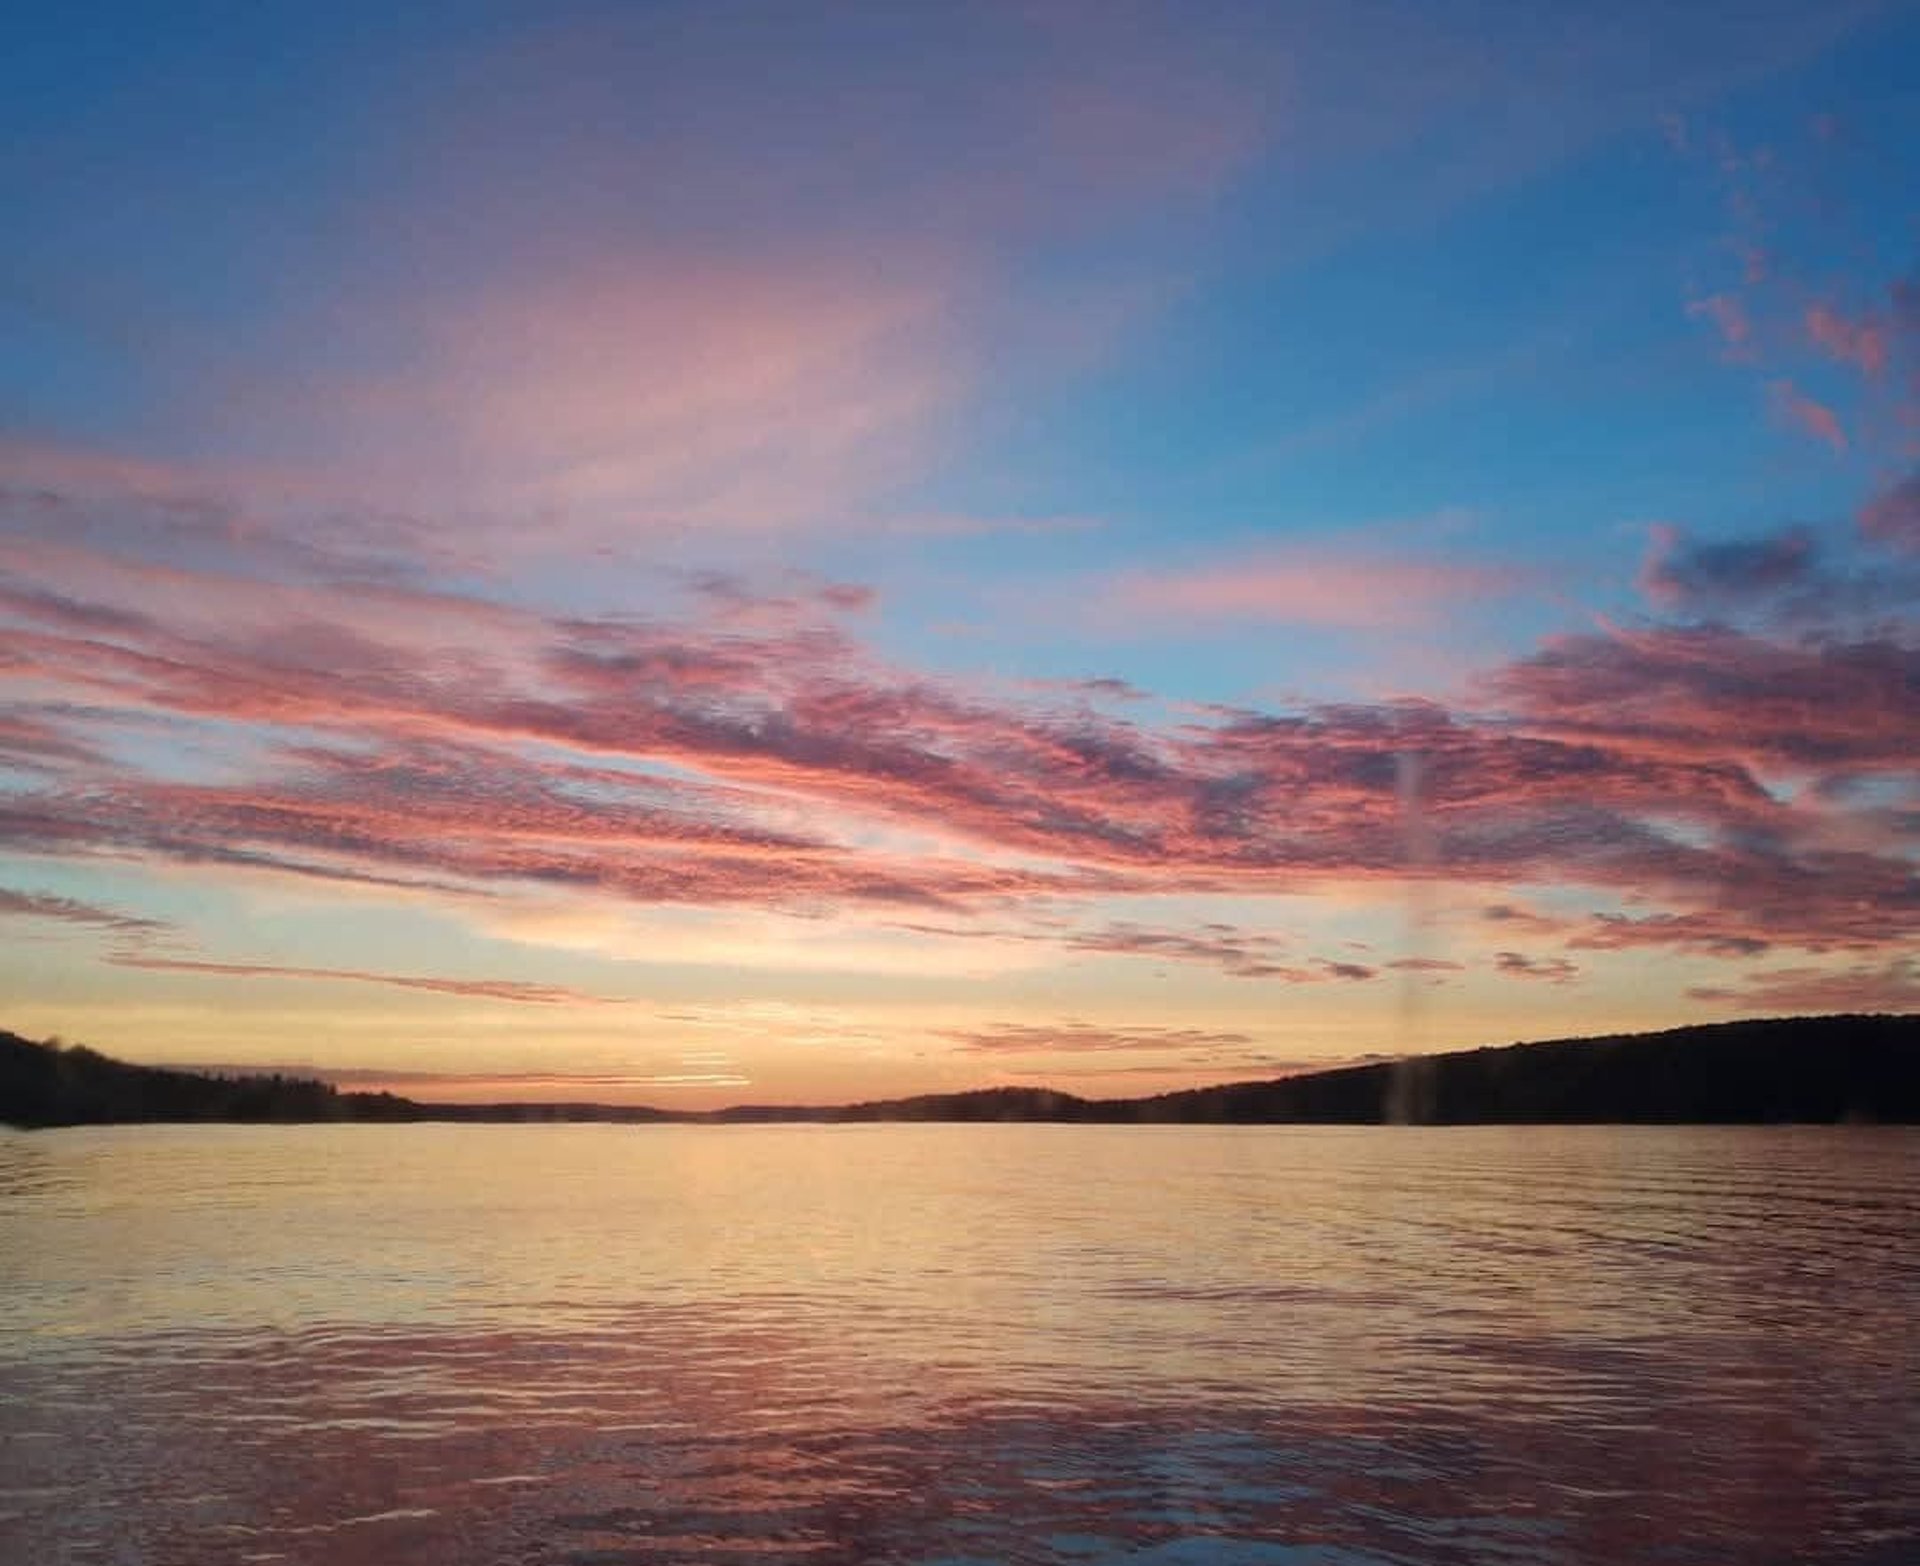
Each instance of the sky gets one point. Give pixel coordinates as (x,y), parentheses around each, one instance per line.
(728,552)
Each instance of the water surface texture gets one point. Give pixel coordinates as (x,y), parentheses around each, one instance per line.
(480,1345)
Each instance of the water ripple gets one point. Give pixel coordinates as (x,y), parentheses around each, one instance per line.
(553,1346)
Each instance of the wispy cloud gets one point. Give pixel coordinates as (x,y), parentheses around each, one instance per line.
(1081,1038)
(1891,986)
(1861,343)
(1509,916)
(1808,414)
(480,1086)
(1893,516)
(1715,692)
(1519,965)
(550,517)
(769,759)
(1729,317)
(1237,952)
(1426,965)
(659,389)
(1722,933)
(1679,573)
(600,279)
(1259,1068)
(519,992)
(69,910)
(1790,579)
(1354,592)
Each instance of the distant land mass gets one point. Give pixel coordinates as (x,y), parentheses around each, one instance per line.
(1773,1071)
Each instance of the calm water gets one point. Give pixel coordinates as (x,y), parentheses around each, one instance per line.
(585,1344)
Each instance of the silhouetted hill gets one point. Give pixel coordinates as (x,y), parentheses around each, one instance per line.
(1789,1069)
(1818,1069)
(50,1084)
(1001,1103)
(69,1085)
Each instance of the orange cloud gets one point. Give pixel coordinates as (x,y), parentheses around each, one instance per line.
(485,1087)
(1080,1038)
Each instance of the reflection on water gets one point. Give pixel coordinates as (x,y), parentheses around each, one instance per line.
(588,1344)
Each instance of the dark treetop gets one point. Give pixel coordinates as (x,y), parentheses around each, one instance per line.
(1787,1069)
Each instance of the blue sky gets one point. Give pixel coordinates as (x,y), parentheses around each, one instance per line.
(845,544)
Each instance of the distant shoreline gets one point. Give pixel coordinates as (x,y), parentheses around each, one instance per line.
(1786,1070)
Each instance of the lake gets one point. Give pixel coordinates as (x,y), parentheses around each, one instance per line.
(482,1345)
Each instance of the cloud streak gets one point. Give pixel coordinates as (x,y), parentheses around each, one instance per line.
(479,1086)
(1681,574)
(1860,343)
(1332,591)
(1892,517)
(1080,1038)
(1551,970)
(597,506)
(1808,414)
(69,910)
(751,751)
(1892,986)
(518,992)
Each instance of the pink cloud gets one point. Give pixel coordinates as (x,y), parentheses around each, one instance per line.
(1332,591)
(44,743)
(1237,952)
(1861,343)
(1679,573)
(1889,987)
(72,468)
(1712,691)
(1893,516)
(386,735)
(1739,932)
(1805,413)
(1729,318)
(598,283)
(653,391)
(1512,917)
(1789,308)
(678,388)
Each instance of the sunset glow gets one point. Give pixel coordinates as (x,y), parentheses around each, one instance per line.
(723,554)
